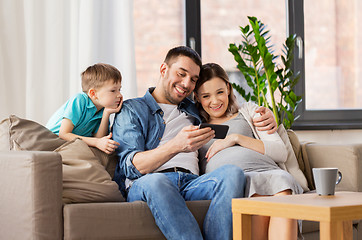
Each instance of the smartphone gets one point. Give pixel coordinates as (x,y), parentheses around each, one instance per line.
(220,130)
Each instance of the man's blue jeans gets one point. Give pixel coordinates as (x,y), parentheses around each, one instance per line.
(165,194)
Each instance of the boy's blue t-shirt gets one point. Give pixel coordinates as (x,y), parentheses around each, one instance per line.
(82,112)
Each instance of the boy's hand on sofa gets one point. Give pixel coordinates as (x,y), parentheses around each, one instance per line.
(106,144)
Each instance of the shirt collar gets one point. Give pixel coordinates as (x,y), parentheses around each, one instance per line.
(186,105)
(151,102)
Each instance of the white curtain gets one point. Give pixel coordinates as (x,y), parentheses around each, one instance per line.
(46,44)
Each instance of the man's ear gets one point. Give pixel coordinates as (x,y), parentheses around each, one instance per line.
(163,69)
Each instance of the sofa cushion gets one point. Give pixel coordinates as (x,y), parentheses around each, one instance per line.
(17,134)
(291,164)
(109,161)
(84,177)
(307,168)
(128,220)
(22,134)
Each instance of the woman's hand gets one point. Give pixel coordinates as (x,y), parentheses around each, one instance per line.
(221,144)
(106,144)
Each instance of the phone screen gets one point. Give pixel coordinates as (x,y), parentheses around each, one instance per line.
(220,130)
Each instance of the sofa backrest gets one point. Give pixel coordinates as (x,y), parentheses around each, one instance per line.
(302,157)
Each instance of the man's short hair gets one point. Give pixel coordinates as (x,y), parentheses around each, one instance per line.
(182,51)
(96,75)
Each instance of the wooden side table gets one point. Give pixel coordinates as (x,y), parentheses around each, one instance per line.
(335,213)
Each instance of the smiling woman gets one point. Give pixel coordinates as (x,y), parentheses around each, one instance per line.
(216,101)
(260,155)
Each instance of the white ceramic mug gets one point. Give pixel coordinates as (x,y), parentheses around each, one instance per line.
(325,180)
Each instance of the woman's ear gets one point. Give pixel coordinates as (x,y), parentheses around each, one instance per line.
(228,85)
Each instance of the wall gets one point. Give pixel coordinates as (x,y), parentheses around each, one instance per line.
(331,136)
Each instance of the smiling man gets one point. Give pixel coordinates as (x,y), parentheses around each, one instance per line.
(158,155)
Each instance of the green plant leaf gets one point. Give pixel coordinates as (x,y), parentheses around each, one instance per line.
(256,61)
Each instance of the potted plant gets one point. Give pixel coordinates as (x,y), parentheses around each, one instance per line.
(256,62)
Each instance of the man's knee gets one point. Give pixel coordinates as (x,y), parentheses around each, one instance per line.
(233,179)
(232,172)
(148,185)
(153,181)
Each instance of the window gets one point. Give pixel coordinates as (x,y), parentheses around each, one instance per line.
(157,30)
(332,54)
(220,21)
(328,53)
(330,63)
(220,26)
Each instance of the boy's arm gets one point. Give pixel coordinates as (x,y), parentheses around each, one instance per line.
(106,144)
(103,129)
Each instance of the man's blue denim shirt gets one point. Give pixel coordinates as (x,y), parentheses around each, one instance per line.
(139,127)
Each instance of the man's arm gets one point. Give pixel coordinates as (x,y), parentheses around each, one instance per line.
(266,121)
(137,155)
(189,139)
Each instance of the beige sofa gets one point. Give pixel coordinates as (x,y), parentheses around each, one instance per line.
(32,207)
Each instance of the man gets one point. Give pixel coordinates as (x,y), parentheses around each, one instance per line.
(158,158)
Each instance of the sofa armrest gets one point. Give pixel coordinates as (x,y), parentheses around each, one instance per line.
(31,195)
(347,158)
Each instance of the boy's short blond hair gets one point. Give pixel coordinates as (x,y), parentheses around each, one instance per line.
(95,76)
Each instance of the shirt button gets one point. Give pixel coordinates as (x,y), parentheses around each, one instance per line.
(161,112)
(159,138)
(164,122)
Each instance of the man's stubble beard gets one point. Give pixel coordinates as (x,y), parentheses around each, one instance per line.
(167,94)
(170,99)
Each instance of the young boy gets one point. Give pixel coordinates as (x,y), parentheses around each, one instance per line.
(86,115)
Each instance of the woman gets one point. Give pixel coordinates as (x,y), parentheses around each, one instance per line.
(256,152)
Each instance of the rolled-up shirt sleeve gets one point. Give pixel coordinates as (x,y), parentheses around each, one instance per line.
(273,144)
